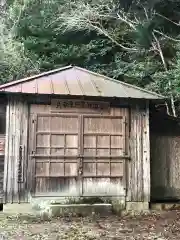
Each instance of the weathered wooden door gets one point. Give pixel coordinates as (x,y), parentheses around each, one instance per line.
(77,155)
(55,155)
(103,155)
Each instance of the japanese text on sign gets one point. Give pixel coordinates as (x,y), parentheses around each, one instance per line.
(69,104)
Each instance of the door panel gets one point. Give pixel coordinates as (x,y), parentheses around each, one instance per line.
(56,155)
(104,154)
(103,187)
(56,187)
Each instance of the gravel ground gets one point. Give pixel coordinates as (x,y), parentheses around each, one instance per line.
(161,226)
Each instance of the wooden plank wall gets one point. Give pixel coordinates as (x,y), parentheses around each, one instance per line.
(16,136)
(1,177)
(139,166)
(165,159)
(2,144)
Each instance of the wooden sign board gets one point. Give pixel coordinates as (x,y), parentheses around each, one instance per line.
(68,105)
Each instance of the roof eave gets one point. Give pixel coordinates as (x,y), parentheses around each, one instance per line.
(91,96)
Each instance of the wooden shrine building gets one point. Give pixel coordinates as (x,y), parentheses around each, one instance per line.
(72,133)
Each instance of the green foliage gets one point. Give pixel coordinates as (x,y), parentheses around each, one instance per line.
(15,60)
(143,34)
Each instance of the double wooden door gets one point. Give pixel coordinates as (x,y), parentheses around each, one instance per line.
(77,155)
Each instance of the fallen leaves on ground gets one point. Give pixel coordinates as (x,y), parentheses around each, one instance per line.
(159,226)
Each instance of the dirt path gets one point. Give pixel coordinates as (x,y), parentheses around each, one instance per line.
(159,226)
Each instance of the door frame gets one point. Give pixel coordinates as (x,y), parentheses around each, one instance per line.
(80,156)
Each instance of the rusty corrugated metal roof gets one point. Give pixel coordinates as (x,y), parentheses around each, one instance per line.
(72,80)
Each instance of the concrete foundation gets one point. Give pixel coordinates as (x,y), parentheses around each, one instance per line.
(55,210)
(58,209)
(137,206)
(164,206)
(23,208)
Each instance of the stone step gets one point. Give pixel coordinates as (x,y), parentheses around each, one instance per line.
(15,208)
(80,209)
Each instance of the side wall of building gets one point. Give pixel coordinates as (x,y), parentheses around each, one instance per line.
(1,177)
(165,158)
(139,167)
(16,151)
(2,142)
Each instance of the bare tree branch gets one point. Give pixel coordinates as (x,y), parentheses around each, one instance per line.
(125,20)
(166,36)
(160,52)
(104,32)
(169,20)
(166,69)
(145,12)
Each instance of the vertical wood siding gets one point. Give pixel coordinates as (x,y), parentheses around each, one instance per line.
(165,158)
(1,177)
(16,136)
(139,165)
